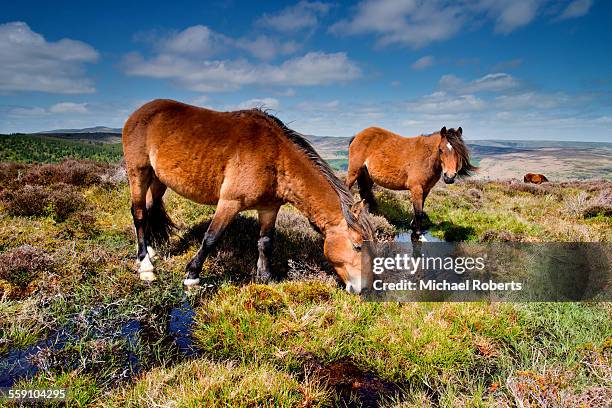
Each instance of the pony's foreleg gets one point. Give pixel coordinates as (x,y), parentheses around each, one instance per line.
(226,212)
(417,198)
(267,220)
(139,184)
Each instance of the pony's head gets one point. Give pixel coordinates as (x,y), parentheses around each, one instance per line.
(343,245)
(454,155)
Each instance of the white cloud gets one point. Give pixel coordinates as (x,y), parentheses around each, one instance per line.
(604,120)
(417,23)
(314,68)
(201,100)
(298,17)
(28,62)
(22,111)
(265,48)
(423,62)
(510,15)
(576,8)
(202,42)
(441,102)
(287,92)
(198,40)
(411,122)
(269,103)
(489,83)
(413,23)
(312,106)
(69,107)
(532,99)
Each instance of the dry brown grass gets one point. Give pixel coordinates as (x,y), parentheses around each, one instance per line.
(74,172)
(19,268)
(600,205)
(58,201)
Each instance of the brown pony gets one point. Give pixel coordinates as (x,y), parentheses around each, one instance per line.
(237,160)
(534,178)
(379,156)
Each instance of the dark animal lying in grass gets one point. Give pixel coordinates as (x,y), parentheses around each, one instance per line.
(535,178)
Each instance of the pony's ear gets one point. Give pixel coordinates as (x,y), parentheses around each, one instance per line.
(358,207)
(460,131)
(443,131)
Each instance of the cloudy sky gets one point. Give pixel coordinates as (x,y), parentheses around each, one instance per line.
(522,69)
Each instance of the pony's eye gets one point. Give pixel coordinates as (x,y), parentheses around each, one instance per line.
(357,247)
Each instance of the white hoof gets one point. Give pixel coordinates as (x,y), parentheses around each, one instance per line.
(191,282)
(146,265)
(147,276)
(152,253)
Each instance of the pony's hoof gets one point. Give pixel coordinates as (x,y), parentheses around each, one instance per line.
(191,282)
(145,265)
(147,276)
(263,276)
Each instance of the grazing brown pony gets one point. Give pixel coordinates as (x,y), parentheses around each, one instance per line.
(379,156)
(237,160)
(534,178)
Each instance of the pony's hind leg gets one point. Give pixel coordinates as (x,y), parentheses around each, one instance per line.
(267,220)
(140,179)
(226,212)
(159,224)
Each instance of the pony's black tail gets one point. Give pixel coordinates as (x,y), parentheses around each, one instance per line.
(365,185)
(159,226)
(351,141)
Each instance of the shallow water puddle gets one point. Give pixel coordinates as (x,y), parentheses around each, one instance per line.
(405,236)
(180,328)
(18,364)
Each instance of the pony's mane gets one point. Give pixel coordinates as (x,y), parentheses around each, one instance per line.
(360,224)
(463,153)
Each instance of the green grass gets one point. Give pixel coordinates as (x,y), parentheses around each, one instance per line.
(205,383)
(483,211)
(45,149)
(281,344)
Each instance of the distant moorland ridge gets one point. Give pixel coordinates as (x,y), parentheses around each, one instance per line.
(497,159)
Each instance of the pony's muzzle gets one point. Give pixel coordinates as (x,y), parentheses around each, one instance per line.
(352,288)
(358,284)
(449,180)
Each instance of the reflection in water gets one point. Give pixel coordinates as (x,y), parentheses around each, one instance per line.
(21,363)
(405,236)
(180,326)
(18,364)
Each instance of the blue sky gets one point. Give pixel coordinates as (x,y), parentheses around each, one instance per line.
(523,69)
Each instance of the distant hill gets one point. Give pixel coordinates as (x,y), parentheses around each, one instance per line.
(101,134)
(506,159)
(497,159)
(95,129)
(46,148)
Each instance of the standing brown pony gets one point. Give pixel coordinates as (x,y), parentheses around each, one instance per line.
(379,156)
(237,160)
